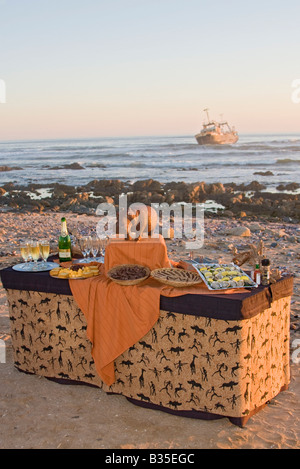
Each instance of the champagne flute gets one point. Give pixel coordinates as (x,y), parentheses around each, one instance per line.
(35,253)
(190,244)
(45,250)
(81,243)
(25,253)
(104,241)
(85,246)
(95,246)
(88,246)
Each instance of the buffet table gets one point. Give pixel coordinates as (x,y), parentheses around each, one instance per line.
(207,355)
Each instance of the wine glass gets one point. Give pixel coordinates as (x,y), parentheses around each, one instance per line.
(191,244)
(88,246)
(85,246)
(25,253)
(45,250)
(35,253)
(95,243)
(81,243)
(103,241)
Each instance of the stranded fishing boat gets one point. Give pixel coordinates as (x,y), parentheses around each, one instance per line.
(216,133)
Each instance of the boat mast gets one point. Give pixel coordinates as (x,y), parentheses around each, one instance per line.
(206,110)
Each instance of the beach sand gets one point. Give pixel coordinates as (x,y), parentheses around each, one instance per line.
(40,414)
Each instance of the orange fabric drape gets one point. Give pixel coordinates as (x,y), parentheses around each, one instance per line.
(119,316)
(151,252)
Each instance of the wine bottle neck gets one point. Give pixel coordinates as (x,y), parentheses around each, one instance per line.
(64,230)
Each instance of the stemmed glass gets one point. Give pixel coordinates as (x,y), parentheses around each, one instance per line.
(85,246)
(103,241)
(95,242)
(25,253)
(35,253)
(45,250)
(190,244)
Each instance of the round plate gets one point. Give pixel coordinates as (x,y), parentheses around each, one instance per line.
(176,277)
(90,259)
(41,267)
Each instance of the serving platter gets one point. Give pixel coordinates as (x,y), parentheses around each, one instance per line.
(224,276)
(118,274)
(29,267)
(176,277)
(63,273)
(88,260)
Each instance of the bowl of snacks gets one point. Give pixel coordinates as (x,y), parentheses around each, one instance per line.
(128,274)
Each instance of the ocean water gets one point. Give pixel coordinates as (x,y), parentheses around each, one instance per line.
(177,158)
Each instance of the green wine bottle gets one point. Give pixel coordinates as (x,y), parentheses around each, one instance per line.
(64,243)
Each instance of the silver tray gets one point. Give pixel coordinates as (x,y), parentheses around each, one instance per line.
(41,267)
(209,282)
(89,259)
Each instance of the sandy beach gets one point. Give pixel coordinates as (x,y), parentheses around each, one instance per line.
(104,105)
(38,413)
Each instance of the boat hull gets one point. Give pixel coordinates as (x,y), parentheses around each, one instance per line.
(216,139)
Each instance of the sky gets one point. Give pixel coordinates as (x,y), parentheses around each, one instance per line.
(109,68)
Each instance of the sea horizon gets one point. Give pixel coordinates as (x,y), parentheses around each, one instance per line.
(167,135)
(272,159)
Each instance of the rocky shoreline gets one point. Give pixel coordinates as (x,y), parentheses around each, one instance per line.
(231,200)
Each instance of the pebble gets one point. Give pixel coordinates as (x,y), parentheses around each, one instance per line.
(239,231)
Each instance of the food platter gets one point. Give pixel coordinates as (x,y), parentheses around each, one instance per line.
(29,267)
(176,277)
(75,272)
(128,274)
(224,276)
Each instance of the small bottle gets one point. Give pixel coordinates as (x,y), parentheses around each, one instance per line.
(265,272)
(64,243)
(257,274)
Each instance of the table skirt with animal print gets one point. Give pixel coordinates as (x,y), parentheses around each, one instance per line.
(184,363)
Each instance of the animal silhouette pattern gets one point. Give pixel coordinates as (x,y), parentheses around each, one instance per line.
(185,362)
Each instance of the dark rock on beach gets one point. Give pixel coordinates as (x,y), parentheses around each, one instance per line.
(293,186)
(69,166)
(9,168)
(264,173)
(110,187)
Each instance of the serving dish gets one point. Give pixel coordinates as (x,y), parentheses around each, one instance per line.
(224,276)
(75,272)
(128,274)
(176,277)
(30,267)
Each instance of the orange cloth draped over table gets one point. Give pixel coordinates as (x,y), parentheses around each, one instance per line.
(119,316)
(151,252)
